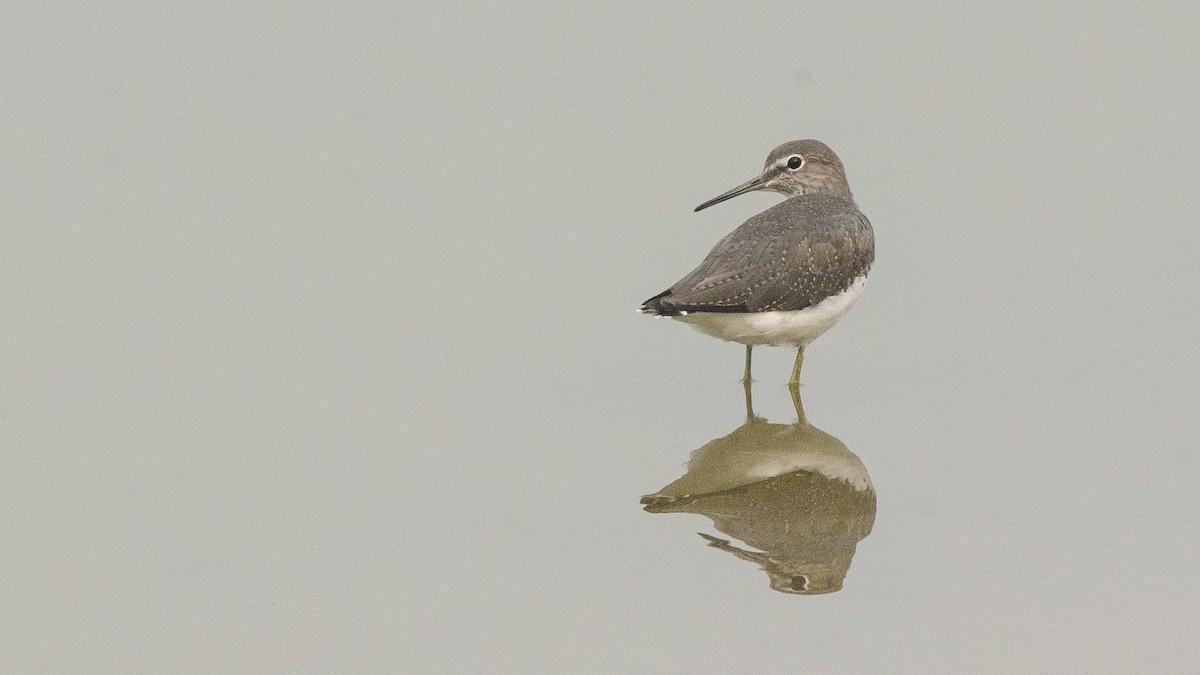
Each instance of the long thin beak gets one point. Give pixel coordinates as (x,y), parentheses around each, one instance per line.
(749,186)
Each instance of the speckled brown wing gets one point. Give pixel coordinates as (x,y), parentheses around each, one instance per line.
(791,256)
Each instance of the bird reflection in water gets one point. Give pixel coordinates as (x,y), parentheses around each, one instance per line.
(791,491)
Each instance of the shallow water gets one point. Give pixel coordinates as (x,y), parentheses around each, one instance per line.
(323,353)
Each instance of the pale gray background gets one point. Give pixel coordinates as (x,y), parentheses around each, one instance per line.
(320,353)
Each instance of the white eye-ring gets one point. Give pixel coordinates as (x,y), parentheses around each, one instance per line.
(795,162)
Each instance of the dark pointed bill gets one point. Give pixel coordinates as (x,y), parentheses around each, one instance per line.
(749,186)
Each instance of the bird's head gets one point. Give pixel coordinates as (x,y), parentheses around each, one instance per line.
(793,169)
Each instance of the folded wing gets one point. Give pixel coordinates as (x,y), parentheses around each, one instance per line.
(788,257)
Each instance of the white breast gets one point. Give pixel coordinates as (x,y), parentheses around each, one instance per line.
(793,328)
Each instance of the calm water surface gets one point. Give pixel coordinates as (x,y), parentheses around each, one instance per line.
(322,351)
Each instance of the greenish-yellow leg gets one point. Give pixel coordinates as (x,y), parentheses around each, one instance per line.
(795,381)
(746,374)
(749,403)
(800,418)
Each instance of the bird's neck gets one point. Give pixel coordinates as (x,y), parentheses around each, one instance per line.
(835,190)
(829,185)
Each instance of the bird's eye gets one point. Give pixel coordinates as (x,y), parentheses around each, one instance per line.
(795,162)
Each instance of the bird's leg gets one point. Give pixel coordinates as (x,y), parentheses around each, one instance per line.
(795,381)
(749,404)
(800,418)
(794,386)
(746,374)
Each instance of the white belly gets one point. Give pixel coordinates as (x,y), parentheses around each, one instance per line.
(794,328)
